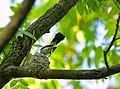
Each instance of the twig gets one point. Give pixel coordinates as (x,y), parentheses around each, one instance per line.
(112,42)
(117,38)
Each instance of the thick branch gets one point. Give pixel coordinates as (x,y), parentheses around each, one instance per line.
(17,20)
(66,74)
(17,72)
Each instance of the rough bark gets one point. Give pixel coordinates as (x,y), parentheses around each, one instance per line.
(15,72)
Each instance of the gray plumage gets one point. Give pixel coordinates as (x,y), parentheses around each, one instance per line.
(40,60)
(48,49)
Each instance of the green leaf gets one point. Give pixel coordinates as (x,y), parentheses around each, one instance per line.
(58,54)
(16,87)
(23,82)
(13,83)
(30,81)
(45,86)
(55,84)
(19,33)
(73,16)
(103,80)
(98,55)
(110,26)
(76,84)
(113,57)
(38,45)
(20,87)
(92,5)
(89,61)
(29,35)
(86,51)
(13,8)
(1,29)
(81,8)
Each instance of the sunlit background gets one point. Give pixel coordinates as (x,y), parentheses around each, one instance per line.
(86,84)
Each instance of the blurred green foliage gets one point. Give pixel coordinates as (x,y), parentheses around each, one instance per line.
(84,43)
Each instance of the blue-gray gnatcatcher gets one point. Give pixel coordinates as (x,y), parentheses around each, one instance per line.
(48,49)
(40,60)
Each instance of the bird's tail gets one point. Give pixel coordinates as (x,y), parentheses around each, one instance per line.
(58,37)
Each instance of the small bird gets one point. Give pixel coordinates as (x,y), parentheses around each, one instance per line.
(48,49)
(41,60)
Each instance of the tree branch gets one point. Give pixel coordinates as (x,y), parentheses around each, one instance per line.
(18,72)
(17,20)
